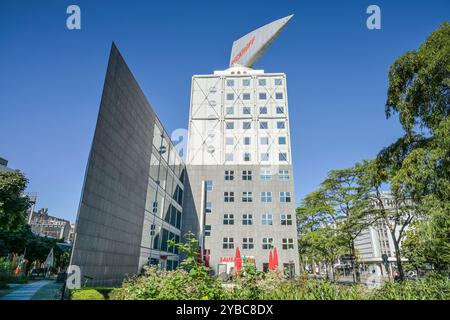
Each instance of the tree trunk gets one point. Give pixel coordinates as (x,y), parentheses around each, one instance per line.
(352,256)
(398,257)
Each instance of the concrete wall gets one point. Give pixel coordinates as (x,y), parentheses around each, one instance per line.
(109,225)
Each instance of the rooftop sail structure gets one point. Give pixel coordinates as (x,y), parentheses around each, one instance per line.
(248,49)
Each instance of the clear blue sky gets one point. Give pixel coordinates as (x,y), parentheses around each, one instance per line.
(51,78)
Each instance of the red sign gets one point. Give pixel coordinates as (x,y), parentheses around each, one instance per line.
(243,51)
(231,259)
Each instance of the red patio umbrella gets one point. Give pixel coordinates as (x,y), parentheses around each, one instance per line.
(207,258)
(270,260)
(238,260)
(275,258)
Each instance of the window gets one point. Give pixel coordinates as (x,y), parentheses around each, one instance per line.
(228,219)
(267,243)
(282,156)
(247,243)
(247,141)
(264,156)
(247,196)
(228,243)
(229,157)
(265,174)
(285,196)
(209,185)
(230,83)
(152,230)
(280,125)
(230,96)
(280,110)
(246,82)
(286,219)
(267,219)
(247,175)
(229,110)
(262,82)
(279,95)
(247,219)
(262,96)
(229,141)
(278,82)
(246,96)
(287,243)
(281,140)
(247,156)
(229,125)
(283,175)
(229,175)
(207,230)
(246,110)
(266,196)
(264,140)
(208,207)
(246,125)
(262,110)
(263,125)
(228,196)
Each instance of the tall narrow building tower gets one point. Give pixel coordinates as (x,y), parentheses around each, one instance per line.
(240,184)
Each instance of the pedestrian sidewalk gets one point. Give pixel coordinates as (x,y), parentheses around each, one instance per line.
(26,291)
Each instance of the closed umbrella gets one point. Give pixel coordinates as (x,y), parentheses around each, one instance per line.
(275,258)
(207,258)
(270,260)
(238,260)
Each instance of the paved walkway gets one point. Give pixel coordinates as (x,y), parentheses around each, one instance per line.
(26,291)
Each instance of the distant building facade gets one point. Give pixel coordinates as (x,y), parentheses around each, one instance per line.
(44,225)
(374,242)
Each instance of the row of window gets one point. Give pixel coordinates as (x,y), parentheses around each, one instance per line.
(247,175)
(265,196)
(229,141)
(229,125)
(267,243)
(248,110)
(247,156)
(261,96)
(247,220)
(261,82)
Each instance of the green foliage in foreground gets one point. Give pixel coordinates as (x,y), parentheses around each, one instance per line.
(86,294)
(178,285)
(170,285)
(434,287)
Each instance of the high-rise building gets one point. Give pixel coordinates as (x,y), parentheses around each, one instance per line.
(240,188)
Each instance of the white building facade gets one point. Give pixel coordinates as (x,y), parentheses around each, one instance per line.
(239,167)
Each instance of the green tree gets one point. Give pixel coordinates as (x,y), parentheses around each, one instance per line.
(419,83)
(393,209)
(339,203)
(13,203)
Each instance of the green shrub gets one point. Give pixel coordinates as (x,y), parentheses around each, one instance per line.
(86,294)
(272,286)
(432,287)
(179,284)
